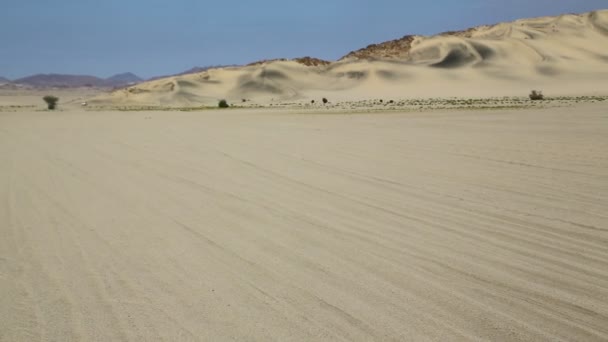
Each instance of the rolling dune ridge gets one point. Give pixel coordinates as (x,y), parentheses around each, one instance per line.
(565,55)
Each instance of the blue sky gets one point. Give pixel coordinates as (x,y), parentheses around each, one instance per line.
(153,37)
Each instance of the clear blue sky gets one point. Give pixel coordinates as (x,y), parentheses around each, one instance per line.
(153,37)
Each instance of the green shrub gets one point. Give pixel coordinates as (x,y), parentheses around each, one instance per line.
(536,95)
(51,101)
(223,104)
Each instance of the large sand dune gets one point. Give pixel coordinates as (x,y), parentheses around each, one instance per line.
(565,55)
(248,226)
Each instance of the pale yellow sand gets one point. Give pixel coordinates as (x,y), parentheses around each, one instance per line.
(250,226)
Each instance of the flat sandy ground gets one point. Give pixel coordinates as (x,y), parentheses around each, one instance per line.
(142,226)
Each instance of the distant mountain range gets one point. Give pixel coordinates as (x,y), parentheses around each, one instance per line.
(126,78)
(76,81)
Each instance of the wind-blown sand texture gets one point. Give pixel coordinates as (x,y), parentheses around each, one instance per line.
(564,55)
(253,226)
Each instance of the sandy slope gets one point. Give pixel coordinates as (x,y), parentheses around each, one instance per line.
(252,226)
(564,55)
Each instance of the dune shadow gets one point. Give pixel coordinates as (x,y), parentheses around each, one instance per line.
(484,51)
(454,59)
(390,75)
(547,70)
(273,74)
(259,87)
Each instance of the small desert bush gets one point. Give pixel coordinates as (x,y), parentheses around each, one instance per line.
(325,101)
(536,95)
(51,101)
(223,104)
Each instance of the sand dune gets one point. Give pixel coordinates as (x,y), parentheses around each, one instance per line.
(565,55)
(252,226)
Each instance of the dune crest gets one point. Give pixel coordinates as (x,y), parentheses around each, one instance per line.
(563,54)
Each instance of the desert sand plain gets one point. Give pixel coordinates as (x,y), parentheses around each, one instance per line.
(272,225)
(424,219)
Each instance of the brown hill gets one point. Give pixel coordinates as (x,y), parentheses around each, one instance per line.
(311,61)
(400,48)
(76,81)
(121,80)
(62,81)
(308,61)
(390,49)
